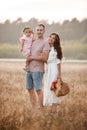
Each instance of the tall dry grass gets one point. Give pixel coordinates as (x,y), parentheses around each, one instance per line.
(15,107)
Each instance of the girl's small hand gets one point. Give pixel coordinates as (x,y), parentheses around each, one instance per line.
(21,49)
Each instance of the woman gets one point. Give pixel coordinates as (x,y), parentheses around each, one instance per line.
(53,72)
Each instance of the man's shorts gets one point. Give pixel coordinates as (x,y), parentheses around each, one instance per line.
(34,80)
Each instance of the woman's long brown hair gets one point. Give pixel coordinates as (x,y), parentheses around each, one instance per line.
(57,46)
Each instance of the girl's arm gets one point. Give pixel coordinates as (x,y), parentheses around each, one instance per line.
(22,44)
(33,38)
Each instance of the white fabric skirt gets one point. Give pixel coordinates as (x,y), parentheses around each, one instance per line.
(50,75)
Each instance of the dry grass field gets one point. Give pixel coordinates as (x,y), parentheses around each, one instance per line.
(15,108)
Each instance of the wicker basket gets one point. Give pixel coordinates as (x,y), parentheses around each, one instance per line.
(60,88)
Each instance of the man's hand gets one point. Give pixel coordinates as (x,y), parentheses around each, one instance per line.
(30,58)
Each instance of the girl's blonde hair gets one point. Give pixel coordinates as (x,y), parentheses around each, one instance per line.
(27,28)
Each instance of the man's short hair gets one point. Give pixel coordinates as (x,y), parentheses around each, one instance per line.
(42,25)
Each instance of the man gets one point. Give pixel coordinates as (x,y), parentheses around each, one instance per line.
(39,54)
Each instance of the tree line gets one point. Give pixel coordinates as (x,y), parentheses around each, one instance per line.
(68,30)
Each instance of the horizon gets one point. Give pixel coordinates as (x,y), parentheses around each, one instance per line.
(11,21)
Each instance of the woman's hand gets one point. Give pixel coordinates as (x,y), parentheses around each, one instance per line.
(59,78)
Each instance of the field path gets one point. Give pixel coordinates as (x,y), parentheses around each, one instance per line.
(22,60)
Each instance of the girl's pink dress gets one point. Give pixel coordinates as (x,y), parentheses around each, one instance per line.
(27,45)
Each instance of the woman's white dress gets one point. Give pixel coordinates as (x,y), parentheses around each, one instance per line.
(51,74)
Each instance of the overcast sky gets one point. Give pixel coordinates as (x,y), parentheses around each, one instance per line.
(51,10)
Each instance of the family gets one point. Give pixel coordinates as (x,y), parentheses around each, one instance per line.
(43,63)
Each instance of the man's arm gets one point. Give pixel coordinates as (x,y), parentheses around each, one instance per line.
(42,58)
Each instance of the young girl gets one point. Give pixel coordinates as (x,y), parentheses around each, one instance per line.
(53,72)
(26,42)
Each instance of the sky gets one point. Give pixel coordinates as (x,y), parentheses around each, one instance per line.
(50,10)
